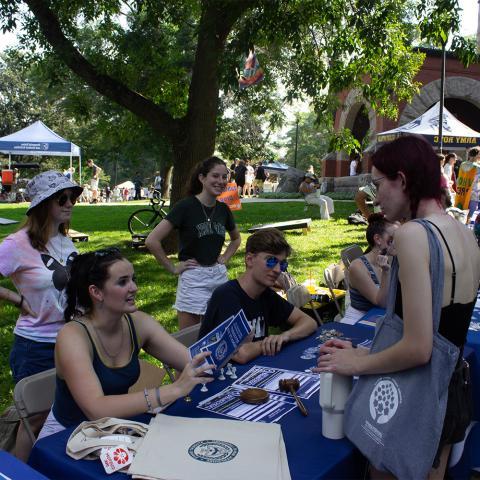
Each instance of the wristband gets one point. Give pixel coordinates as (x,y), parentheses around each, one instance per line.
(147,399)
(19,305)
(157,396)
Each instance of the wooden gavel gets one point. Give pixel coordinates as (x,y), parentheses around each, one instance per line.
(291,385)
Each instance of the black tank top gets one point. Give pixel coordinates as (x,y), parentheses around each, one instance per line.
(455,317)
(114,381)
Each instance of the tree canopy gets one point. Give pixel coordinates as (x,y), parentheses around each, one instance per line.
(166,62)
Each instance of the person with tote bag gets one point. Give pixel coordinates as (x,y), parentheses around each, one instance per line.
(411,401)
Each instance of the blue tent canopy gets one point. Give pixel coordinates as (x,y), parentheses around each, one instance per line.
(37,139)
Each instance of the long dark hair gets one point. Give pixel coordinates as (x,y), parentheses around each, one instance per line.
(377,225)
(195,185)
(415,158)
(87,269)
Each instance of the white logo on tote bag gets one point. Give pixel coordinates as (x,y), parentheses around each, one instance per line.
(384,400)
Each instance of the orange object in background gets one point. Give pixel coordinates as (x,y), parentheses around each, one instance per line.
(8,177)
(230,197)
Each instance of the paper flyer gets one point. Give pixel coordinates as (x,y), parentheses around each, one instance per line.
(228,403)
(223,341)
(268,378)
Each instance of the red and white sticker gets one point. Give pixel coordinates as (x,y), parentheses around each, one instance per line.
(115,458)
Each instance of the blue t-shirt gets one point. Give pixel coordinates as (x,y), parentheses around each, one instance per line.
(269,309)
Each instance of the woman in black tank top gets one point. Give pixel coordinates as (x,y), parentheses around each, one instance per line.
(406,174)
(96,353)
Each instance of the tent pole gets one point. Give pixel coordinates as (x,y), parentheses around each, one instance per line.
(9,161)
(442,98)
(80,169)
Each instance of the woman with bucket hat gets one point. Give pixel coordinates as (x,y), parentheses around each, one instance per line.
(37,259)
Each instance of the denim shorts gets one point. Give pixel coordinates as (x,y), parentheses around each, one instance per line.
(28,357)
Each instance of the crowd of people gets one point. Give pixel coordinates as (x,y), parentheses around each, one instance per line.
(77,312)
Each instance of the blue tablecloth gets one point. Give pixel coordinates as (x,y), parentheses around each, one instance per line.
(310,455)
(14,469)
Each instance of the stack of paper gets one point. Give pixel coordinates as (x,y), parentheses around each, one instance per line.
(223,341)
(207,448)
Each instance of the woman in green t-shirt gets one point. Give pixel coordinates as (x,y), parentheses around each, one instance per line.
(202,222)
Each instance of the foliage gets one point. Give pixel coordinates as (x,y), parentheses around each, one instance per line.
(312,142)
(244,130)
(106,225)
(166,62)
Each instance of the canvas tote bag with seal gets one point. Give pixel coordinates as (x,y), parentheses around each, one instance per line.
(396,419)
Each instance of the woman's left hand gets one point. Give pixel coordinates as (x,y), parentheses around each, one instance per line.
(338,360)
(382,262)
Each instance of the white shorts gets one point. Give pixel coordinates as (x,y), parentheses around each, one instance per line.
(195,287)
(94,183)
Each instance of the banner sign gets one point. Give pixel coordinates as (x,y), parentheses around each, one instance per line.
(465,179)
(230,197)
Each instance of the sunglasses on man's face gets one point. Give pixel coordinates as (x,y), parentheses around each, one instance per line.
(62,199)
(271,262)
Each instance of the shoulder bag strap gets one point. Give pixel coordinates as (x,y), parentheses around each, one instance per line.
(436,276)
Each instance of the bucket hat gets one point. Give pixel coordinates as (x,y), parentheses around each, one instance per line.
(310,175)
(45,184)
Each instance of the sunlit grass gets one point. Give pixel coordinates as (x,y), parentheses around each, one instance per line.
(107,226)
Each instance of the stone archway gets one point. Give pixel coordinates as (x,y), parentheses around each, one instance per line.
(463,88)
(352,107)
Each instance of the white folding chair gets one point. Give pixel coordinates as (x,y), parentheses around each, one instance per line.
(151,376)
(33,395)
(349,254)
(186,337)
(333,275)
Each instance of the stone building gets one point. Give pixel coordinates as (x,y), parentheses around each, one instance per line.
(462,99)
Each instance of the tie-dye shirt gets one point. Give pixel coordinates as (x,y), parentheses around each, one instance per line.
(41,278)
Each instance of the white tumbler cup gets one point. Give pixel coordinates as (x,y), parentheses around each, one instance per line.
(334,392)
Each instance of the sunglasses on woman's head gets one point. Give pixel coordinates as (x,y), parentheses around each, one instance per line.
(62,199)
(104,252)
(271,262)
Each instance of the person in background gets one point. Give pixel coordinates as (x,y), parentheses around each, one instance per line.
(266,254)
(108,193)
(369,275)
(240,172)
(313,197)
(474,157)
(399,171)
(260,176)
(249,178)
(96,170)
(202,222)
(96,355)
(37,259)
(354,165)
(138,183)
(158,181)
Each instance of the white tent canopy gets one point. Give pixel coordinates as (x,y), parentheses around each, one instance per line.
(455,133)
(37,139)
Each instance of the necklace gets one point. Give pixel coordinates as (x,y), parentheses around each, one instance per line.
(53,250)
(110,355)
(209,218)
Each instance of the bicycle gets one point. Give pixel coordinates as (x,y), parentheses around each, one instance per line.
(144,220)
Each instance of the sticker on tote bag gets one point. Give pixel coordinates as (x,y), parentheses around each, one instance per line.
(213,451)
(384,400)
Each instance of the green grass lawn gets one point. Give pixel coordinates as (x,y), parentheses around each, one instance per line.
(107,226)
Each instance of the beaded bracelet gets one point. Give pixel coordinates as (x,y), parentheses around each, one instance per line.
(157,395)
(147,399)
